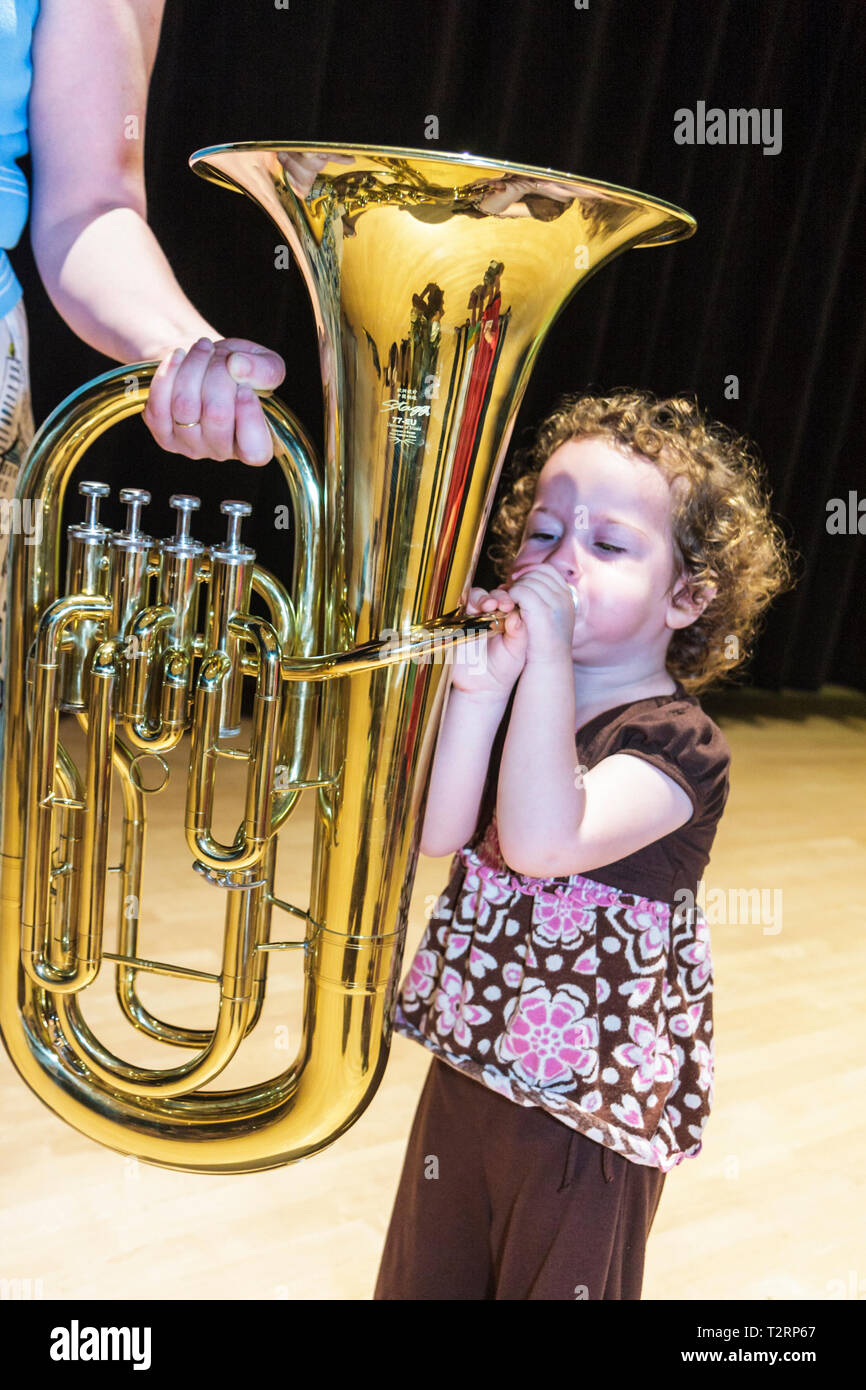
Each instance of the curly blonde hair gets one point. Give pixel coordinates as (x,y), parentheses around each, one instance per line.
(723,530)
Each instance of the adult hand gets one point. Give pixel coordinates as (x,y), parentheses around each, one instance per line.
(202,403)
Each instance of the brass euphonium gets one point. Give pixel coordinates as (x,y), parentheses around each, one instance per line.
(434,279)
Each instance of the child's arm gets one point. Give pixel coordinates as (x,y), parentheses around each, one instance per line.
(460,766)
(547,825)
(540,799)
(475,703)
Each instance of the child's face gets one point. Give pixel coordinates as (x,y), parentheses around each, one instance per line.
(621,572)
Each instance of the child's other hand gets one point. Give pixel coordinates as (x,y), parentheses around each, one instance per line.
(548,612)
(502,653)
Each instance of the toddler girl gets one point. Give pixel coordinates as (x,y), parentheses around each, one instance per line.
(564,981)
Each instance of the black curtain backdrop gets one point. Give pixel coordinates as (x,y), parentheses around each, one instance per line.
(768,290)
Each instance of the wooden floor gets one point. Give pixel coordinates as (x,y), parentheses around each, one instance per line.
(775,1205)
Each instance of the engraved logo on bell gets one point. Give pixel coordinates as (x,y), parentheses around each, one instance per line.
(404,423)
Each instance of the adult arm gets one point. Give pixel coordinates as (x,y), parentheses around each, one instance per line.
(100,262)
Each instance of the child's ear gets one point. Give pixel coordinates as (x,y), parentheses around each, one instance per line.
(689,599)
(701,595)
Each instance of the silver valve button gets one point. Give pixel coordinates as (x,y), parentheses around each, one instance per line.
(235,511)
(94,492)
(184,506)
(134,498)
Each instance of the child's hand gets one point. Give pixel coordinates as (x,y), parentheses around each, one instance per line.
(548,608)
(504,653)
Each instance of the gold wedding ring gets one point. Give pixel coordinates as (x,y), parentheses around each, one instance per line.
(182,426)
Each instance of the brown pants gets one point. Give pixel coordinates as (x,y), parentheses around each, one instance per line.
(501,1201)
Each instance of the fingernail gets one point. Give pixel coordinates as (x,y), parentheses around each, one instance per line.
(239,365)
(177,356)
(205,343)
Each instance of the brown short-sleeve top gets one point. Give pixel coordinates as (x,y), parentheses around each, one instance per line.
(674,734)
(586,995)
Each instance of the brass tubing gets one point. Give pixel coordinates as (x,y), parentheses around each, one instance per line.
(203,757)
(134,831)
(422,639)
(127,1080)
(175,703)
(37,864)
(280,608)
(264,732)
(144,630)
(252,836)
(300,702)
(237,975)
(134,834)
(64,905)
(104,674)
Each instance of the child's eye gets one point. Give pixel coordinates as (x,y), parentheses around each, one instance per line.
(541,535)
(606,545)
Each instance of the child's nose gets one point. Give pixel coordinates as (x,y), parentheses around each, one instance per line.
(566,557)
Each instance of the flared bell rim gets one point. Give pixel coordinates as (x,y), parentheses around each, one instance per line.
(667,234)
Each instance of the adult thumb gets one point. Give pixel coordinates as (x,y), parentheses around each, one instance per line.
(263,371)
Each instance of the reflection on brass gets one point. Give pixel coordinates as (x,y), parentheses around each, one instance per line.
(434,279)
